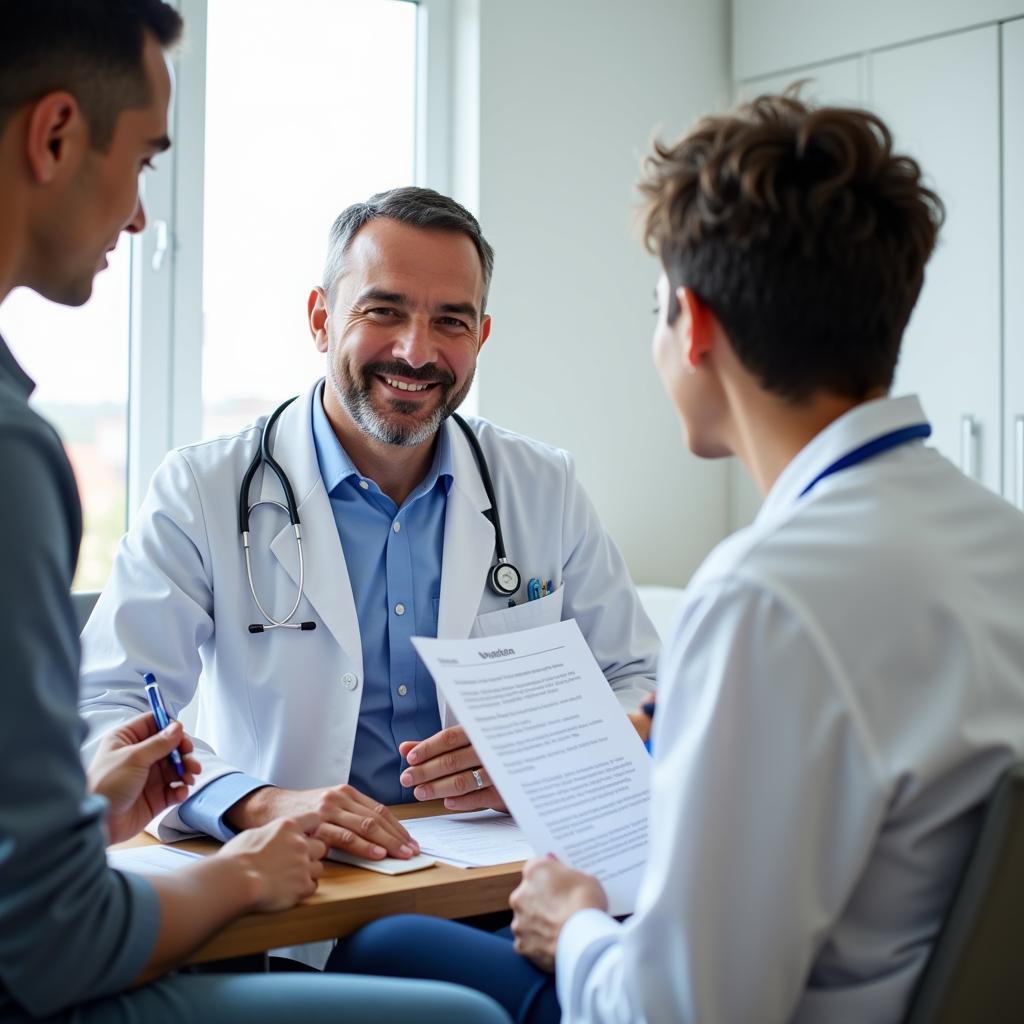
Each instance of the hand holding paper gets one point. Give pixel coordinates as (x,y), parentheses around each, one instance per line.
(556,744)
(549,894)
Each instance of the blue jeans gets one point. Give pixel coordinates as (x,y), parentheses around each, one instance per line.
(426,947)
(273,998)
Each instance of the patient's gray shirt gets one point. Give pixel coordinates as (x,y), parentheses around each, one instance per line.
(71,928)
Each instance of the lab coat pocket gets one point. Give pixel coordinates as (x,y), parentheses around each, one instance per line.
(542,612)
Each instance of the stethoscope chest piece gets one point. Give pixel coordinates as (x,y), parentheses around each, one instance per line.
(504,578)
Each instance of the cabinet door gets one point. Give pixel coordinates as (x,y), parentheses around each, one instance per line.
(1013,260)
(839,82)
(941,101)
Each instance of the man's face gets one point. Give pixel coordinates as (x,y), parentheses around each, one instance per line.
(99,197)
(403,331)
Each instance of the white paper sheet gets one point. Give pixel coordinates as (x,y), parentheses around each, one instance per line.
(385,866)
(476,839)
(151,860)
(557,744)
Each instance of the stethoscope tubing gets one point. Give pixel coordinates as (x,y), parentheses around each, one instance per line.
(264,457)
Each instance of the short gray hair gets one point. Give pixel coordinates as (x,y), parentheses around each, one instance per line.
(418,207)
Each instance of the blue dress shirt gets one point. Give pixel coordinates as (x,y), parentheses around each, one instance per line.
(393,555)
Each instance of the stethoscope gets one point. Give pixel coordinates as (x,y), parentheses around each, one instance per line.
(504,578)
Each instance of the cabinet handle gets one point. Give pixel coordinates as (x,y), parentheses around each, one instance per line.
(1018,431)
(969,446)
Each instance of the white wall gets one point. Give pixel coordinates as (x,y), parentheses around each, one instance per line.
(569,96)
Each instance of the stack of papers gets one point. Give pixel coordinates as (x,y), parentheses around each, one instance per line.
(151,860)
(473,840)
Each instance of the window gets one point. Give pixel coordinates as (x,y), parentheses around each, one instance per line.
(79,361)
(310,106)
(284,113)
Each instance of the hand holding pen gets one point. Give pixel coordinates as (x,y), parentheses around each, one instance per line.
(133,770)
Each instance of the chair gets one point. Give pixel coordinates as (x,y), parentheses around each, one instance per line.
(82,601)
(976,969)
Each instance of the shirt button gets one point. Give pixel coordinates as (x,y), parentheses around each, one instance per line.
(396,526)
(365,486)
(399,609)
(403,690)
(350,681)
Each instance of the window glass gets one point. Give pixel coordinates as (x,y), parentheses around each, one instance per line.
(310,106)
(78,358)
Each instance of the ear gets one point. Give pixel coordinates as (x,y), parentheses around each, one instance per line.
(56,136)
(699,327)
(485,331)
(316,309)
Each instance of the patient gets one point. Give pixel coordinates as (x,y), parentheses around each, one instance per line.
(84,93)
(843,688)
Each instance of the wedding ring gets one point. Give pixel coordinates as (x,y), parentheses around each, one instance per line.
(478,777)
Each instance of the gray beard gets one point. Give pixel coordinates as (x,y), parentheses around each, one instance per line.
(358,404)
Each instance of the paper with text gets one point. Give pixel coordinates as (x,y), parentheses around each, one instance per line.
(472,840)
(557,745)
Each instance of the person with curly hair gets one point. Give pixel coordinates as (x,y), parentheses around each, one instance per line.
(842,687)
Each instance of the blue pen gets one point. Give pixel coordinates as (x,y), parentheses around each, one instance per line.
(156,702)
(648,710)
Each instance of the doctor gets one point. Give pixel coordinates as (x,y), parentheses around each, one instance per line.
(398,536)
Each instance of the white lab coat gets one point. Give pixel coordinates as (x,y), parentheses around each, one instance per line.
(840,693)
(283,705)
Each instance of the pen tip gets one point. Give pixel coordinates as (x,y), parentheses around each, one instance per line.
(149,678)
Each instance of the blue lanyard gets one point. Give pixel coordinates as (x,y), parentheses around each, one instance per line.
(871,449)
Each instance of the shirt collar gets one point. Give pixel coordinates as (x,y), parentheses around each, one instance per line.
(336,466)
(10,367)
(863,423)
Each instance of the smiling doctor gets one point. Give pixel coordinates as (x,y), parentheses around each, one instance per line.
(397,536)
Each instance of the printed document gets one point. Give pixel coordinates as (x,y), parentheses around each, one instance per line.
(557,744)
(472,840)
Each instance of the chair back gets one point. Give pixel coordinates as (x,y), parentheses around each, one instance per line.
(82,601)
(976,969)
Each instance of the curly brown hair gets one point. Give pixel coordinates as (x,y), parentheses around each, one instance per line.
(803,232)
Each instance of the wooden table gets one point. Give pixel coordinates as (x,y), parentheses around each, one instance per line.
(349,897)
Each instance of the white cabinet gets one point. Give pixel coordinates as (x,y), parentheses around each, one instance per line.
(940,98)
(955,103)
(1013,261)
(840,82)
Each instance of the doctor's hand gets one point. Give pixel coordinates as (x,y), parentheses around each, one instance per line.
(283,860)
(447,765)
(349,820)
(131,770)
(548,895)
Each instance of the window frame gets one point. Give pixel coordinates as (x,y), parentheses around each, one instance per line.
(165,388)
